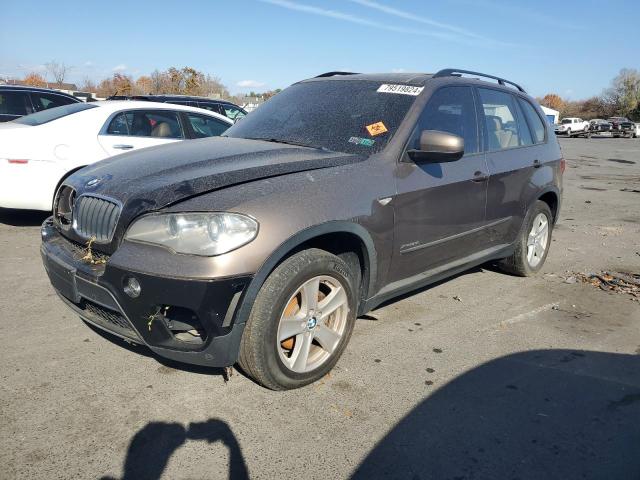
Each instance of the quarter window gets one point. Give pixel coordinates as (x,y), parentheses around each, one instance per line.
(204,126)
(146,123)
(534,120)
(451,110)
(45,101)
(500,116)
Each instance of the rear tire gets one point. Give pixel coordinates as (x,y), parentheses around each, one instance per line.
(568,133)
(532,244)
(289,341)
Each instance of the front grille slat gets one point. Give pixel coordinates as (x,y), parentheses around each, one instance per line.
(95,217)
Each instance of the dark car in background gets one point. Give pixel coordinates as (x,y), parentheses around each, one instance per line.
(18,101)
(263,246)
(621,126)
(598,125)
(228,109)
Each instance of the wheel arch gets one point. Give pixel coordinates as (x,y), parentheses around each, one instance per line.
(335,237)
(551,196)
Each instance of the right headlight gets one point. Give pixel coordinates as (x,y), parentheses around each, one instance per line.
(196,233)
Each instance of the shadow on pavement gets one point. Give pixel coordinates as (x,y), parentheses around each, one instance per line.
(540,414)
(151,448)
(145,351)
(23,218)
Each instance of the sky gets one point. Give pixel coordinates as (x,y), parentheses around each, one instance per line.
(571,48)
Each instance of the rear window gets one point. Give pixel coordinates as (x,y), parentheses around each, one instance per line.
(51,114)
(566,120)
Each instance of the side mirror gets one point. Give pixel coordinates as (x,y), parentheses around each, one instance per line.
(437,147)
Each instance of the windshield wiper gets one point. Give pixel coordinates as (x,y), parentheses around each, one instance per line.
(290,142)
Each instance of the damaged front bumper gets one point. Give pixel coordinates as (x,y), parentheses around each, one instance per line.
(182,319)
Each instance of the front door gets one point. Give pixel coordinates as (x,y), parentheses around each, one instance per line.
(137,129)
(440,207)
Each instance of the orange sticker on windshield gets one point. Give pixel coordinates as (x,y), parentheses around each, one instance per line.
(376,129)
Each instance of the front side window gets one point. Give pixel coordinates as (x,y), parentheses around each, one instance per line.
(45,101)
(204,126)
(500,117)
(450,110)
(534,120)
(14,103)
(146,123)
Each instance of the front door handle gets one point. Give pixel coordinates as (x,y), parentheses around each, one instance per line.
(123,147)
(536,163)
(480,177)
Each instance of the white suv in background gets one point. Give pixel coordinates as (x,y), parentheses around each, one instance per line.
(570,125)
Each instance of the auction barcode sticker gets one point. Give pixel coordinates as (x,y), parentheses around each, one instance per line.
(402,89)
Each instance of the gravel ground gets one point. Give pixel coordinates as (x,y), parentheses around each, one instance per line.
(482,376)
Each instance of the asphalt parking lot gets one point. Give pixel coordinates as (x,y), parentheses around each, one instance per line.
(482,376)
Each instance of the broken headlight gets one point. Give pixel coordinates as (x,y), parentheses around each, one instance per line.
(204,234)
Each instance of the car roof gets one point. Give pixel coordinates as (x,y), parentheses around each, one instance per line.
(418,79)
(37,89)
(116,105)
(184,97)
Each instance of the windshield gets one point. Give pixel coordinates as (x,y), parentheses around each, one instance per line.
(348,116)
(51,114)
(566,120)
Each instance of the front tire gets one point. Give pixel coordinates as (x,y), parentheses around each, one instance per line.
(301,321)
(568,133)
(532,245)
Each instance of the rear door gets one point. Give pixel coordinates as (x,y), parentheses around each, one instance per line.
(511,158)
(440,207)
(135,129)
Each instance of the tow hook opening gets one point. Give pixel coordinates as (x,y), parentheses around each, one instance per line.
(183,324)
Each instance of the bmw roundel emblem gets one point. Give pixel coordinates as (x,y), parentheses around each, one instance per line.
(92,182)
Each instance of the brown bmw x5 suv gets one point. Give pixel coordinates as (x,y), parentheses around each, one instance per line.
(263,246)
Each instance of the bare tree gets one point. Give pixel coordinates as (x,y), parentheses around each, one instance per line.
(58,71)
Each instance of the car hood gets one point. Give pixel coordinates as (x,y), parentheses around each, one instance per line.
(156,177)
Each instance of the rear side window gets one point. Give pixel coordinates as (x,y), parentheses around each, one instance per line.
(14,103)
(500,118)
(45,101)
(146,123)
(451,110)
(232,112)
(535,123)
(204,126)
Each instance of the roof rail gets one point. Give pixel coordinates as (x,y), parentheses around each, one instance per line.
(454,72)
(333,74)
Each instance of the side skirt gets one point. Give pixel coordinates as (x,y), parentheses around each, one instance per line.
(434,275)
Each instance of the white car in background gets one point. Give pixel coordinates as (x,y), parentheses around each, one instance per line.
(38,151)
(571,125)
(637,132)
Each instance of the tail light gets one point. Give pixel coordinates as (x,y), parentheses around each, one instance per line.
(563,165)
(17,161)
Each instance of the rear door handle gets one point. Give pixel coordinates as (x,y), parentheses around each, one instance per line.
(123,147)
(536,163)
(480,177)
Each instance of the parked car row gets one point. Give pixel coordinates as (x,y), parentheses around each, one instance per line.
(616,126)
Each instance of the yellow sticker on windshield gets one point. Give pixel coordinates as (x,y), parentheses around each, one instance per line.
(376,129)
